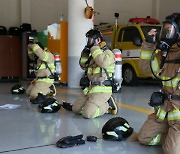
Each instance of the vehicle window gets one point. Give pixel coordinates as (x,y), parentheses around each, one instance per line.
(129,34)
(108,38)
(146,29)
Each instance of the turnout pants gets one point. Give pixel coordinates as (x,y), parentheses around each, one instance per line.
(38,87)
(92,105)
(166,133)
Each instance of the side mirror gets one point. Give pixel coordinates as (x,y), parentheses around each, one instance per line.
(137,41)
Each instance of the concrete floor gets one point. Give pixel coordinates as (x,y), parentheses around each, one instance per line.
(24,130)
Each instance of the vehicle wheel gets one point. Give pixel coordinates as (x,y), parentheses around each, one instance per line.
(129,76)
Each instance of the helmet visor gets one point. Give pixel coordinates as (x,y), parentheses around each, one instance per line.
(167,31)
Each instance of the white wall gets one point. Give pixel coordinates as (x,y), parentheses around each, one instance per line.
(168,7)
(44,12)
(9,13)
(126,9)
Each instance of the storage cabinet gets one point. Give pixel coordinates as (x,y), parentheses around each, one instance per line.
(10,56)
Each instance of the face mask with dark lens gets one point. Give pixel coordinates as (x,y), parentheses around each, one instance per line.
(167,31)
(90,42)
(167,36)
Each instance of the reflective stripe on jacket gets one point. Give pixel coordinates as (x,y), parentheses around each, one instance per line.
(155,140)
(47,80)
(97,89)
(146,55)
(172,115)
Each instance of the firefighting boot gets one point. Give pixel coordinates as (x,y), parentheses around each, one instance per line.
(39,99)
(113,108)
(52,91)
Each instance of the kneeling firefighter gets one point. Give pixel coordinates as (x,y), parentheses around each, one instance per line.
(99,62)
(44,81)
(163,126)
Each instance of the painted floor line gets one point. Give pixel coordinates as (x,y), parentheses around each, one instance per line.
(138,109)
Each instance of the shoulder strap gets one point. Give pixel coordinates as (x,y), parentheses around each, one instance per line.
(105,72)
(48,68)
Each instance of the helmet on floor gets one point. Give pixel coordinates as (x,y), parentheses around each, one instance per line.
(50,105)
(117,129)
(17,89)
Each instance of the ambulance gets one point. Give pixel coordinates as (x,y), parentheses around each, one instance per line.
(128,38)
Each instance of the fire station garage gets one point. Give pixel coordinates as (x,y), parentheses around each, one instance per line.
(90,76)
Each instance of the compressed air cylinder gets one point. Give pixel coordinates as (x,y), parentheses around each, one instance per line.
(57,62)
(118,65)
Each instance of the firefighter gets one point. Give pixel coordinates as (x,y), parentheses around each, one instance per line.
(163,59)
(99,62)
(44,82)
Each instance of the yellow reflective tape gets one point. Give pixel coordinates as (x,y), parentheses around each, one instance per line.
(155,140)
(103,89)
(122,128)
(155,65)
(146,55)
(96,53)
(98,89)
(112,133)
(47,80)
(171,83)
(174,115)
(85,91)
(48,108)
(83,60)
(46,56)
(35,47)
(161,114)
(97,113)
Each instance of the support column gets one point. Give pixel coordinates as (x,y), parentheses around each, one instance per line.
(78,25)
(25,11)
(155,8)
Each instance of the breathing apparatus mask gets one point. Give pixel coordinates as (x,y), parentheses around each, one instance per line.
(170,33)
(92,35)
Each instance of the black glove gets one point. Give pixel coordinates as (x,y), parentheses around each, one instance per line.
(150,38)
(70,141)
(67,106)
(86,50)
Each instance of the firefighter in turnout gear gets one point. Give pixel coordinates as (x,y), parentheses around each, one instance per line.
(99,62)
(44,81)
(163,59)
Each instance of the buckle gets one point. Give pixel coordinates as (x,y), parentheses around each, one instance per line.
(101,83)
(170,97)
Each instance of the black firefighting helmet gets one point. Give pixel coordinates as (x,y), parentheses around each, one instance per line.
(93,34)
(170,31)
(117,129)
(50,105)
(17,89)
